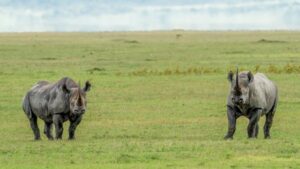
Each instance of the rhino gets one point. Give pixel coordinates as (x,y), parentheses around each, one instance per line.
(55,103)
(251,96)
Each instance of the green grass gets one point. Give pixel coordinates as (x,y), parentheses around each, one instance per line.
(158,99)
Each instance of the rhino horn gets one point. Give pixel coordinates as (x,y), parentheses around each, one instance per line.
(237,87)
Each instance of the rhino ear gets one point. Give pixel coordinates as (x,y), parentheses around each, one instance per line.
(87,86)
(230,76)
(65,88)
(250,77)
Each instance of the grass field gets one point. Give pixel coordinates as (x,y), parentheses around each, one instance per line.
(158,99)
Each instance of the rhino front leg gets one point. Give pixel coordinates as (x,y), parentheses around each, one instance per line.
(72,128)
(48,130)
(58,123)
(231,123)
(256,130)
(253,123)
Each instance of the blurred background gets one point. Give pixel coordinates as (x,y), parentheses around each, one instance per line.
(106,15)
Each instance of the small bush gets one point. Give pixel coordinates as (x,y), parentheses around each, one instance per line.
(95,69)
(176,71)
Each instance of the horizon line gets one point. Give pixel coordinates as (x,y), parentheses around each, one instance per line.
(164,30)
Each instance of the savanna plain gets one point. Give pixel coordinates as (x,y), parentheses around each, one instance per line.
(158,99)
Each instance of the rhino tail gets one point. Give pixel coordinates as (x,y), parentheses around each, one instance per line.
(26,106)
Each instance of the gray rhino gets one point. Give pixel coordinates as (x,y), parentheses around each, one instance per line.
(55,103)
(253,97)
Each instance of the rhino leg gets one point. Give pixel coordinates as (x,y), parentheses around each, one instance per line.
(72,128)
(48,130)
(269,120)
(35,127)
(256,130)
(253,123)
(268,124)
(231,123)
(58,123)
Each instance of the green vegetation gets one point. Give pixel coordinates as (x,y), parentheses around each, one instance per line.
(158,99)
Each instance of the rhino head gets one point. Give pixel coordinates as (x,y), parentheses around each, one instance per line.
(240,91)
(77,100)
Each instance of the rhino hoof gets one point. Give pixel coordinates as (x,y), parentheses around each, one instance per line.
(228,138)
(50,138)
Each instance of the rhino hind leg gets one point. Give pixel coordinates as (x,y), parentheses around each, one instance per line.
(269,121)
(34,126)
(268,124)
(48,130)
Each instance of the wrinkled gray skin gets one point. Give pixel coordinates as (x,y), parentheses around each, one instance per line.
(253,97)
(55,104)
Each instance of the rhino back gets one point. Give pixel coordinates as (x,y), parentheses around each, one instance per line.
(39,97)
(263,92)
